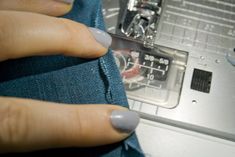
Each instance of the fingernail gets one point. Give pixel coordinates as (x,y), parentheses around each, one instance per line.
(125,121)
(102,37)
(66,1)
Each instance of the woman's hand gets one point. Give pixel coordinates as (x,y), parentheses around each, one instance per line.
(27,28)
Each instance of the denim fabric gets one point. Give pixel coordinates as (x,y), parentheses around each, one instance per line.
(71,80)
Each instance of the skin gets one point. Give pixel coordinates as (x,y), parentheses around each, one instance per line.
(27,125)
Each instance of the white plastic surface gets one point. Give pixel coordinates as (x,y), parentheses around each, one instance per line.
(159,140)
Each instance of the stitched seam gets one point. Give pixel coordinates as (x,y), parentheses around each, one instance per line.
(107,78)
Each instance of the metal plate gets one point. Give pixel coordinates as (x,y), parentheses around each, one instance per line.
(206,30)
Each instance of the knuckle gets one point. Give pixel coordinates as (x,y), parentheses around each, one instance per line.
(3,26)
(5,34)
(81,42)
(13,122)
(79,128)
(70,33)
(70,29)
(2,31)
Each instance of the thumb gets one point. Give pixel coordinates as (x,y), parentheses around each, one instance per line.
(27,125)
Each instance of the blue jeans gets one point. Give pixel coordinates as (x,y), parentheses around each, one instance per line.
(71,80)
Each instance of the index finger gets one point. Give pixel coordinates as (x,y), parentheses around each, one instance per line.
(25,34)
(48,7)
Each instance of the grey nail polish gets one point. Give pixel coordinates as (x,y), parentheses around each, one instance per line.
(66,1)
(124,121)
(102,37)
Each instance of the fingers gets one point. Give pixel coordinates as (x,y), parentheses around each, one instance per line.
(29,34)
(49,7)
(27,125)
